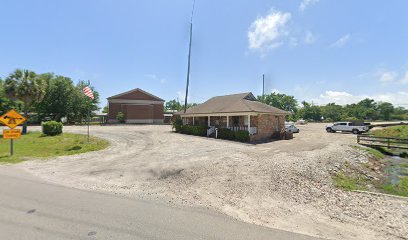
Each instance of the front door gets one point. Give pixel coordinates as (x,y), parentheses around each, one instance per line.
(235,121)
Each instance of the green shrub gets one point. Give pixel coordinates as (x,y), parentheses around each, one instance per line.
(177,123)
(242,136)
(225,133)
(120,117)
(52,128)
(193,130)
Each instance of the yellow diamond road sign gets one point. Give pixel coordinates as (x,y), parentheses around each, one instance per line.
(12,119)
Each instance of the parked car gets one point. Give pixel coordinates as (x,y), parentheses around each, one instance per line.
(291,128)
(301,122)
(347,127)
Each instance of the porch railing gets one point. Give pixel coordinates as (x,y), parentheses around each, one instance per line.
(239,128)
(251,130)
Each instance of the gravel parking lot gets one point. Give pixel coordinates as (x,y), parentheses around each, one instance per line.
(281,184)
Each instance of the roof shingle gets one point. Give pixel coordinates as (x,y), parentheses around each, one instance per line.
(242,102)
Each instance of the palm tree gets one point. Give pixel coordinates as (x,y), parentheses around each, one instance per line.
(26,86)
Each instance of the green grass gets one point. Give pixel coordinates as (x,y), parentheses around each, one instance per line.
(36,145)
(349,183)
(374,152)
(395,132)
(400,189)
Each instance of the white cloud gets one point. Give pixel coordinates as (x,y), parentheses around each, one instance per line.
(266,32)
(404,79)
(305,3)
(341,41)
(293,42)
(337,97)
(151,76)
(343,98)
(275,90)
(309,38)
(387,77)
(155,77)
(181,96)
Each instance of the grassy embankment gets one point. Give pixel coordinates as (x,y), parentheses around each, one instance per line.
(36,145)
(402,187)
(349,180)
(396,132)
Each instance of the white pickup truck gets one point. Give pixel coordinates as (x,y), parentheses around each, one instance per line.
(347,127)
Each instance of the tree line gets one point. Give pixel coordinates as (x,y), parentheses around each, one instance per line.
(176,105)
(366,109)
(46,96)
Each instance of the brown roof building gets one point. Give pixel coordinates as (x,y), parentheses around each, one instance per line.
(137,105)
(237,112)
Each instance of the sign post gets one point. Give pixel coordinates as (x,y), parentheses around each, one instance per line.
(89,93)
(12,119)
(11,147)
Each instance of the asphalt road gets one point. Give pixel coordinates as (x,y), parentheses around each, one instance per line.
(32,209)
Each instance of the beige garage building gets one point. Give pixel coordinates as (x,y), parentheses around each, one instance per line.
(137,105)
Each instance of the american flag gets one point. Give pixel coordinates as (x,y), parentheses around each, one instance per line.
(88,92)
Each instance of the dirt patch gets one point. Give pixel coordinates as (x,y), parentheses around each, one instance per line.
(281,184)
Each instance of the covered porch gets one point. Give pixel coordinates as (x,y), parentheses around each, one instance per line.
(234,122)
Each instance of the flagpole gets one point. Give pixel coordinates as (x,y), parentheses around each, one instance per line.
(89,110)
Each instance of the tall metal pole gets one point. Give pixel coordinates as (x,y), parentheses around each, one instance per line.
(89,110)
(263,88)
(189,57)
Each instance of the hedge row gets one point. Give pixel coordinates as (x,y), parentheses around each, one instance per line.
(223,133)
(192,130)
(228,134)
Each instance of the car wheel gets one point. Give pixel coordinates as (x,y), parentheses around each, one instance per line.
(329,130)
(355,131)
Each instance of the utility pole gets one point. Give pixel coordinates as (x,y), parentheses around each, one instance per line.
(189,57)
(263,88)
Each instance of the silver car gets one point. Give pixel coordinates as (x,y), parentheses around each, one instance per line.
(291,128)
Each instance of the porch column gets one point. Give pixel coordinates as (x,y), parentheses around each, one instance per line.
(193,121)
(209,122)
(249,123)
(227,121)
